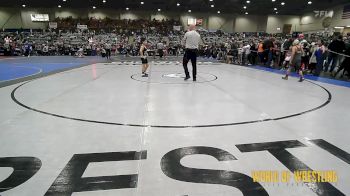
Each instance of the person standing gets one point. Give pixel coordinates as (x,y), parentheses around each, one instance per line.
(313,60)
(246,56)
(27,49)
(321,55)
(345,64)
(191,42)
(108,48)
(45,50)
(160,48)
(268,46)
(240,54)
(261,52)
(295,60)
(143,53)
(335,47)
(284,51)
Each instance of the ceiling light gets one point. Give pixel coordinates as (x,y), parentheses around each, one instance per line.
(211,5)
(23,5)
(64,0)
(310,2)
(59,6)
(244,7)
(276,12)
(190,11)
(104,1)
(219,12)
(127,8)
(274,8)
(93,7)
(246,13)
(283,3)
(142,2)
(178,4)
(248,1)
(210,0)
(159,10)
(273,0)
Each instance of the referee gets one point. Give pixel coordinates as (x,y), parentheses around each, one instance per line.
(191,41)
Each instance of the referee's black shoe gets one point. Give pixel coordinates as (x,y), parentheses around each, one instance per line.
(187,77)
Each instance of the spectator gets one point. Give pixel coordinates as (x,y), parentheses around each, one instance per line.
(335,47)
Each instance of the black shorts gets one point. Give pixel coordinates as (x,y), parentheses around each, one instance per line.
(297,65)
(144,60)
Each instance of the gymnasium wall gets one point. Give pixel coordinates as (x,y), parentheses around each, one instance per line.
(310,23)
(275,23)
(64,13)
(12,18)
(224,22)
(20,18)
(250,23)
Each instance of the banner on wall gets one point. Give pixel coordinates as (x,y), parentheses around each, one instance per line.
(83,27)
(195,21)
(53,25)
(177,28)
(323,13)
(39,17)
(346,12)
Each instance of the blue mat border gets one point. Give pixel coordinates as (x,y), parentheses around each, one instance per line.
(309,77)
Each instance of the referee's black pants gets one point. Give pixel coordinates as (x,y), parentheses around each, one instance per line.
(108,53)
(190,54)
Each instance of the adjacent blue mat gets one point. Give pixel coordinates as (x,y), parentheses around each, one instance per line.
(21,67)
(309,77)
